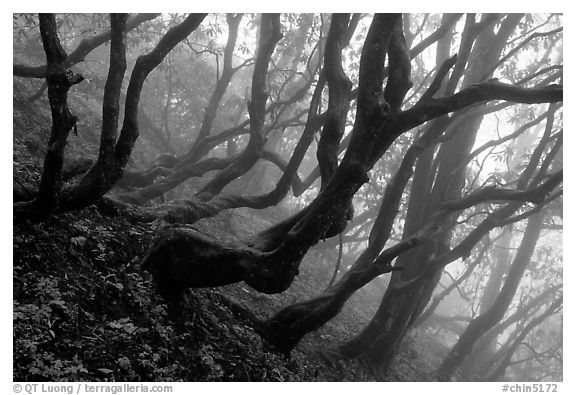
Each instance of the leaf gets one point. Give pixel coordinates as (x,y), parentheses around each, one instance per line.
(78,241)
(130,328)
(118,324)
(105,371)
(60,303)
(118,286)
(124,363)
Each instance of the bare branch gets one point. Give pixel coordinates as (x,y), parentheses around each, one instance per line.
(83,49)
(483,92)
(222,82)
(269,36)
(518,48)
(435,36)
(493,143)
(486,194)
(101,178)
(437,82)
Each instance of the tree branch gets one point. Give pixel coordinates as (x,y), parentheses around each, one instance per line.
(483,92)
(83,49)
(518,48)
(100,179)
(222,82)
(486,194)
(438,79)
(269,36)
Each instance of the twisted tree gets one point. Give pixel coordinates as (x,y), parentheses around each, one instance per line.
(444,209)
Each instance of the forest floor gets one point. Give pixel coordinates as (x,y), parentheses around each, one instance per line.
(83,311)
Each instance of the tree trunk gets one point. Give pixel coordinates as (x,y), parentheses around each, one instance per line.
(401,305)
(59,81)
(486,346)
(287,327)
(501,369)
(481,324)
(181,257)
(115,149)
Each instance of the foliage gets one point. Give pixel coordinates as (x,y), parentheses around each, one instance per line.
(83,310)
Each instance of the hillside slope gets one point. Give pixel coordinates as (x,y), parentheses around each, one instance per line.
(84,312)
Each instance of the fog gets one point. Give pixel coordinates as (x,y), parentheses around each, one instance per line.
(379,191)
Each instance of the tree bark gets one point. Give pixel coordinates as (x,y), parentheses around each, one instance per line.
(59,81)
(276,253)
(190,211)
(115,150)
(438,298)
(287,243)
(287,327)
(401,305)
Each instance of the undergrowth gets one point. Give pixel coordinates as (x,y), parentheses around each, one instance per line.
(83,311)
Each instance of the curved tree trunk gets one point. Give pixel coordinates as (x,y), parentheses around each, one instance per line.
(287,327)
(269,261)
(191,164)
(283,247)
(115,149)
(484,322)
(59,81)
(186,168)
(429,311)
(401,306)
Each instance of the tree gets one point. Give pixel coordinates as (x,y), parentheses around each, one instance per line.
(114,149)
(502,358)
(410,289)
(481,324)
(444,210)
